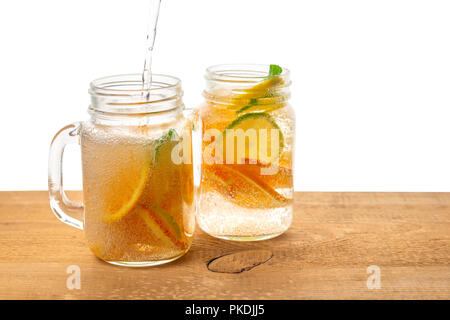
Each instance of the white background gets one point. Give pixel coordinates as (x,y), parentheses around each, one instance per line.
(371,79)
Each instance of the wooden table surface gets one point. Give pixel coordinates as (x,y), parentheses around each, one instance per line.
(334,238)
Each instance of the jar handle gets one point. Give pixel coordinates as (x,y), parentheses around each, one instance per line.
(59,202)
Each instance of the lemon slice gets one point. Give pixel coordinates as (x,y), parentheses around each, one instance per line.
(257,91)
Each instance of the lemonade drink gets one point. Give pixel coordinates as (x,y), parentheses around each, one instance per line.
(248,131)
(138,202)
(138,192)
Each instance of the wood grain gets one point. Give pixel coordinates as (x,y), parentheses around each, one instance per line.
(324,255)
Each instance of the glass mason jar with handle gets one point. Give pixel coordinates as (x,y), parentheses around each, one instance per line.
(248,132)
(138,193)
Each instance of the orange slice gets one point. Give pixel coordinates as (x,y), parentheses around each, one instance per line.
(120,177)
(240,188)
(116,174)
(127,191)
(282,177)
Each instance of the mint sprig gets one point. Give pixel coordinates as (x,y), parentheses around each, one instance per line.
(275,70)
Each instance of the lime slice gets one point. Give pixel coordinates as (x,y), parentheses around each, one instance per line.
(168,219)
(260,108)
(161,204)
(167,141)
(259,122)
(160,226)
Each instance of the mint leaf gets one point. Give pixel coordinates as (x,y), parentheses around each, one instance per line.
(275,70)
(172,134)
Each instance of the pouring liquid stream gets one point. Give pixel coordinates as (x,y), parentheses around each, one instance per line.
(150,42)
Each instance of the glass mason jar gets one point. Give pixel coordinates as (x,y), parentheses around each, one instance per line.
(138,194)
(248,131)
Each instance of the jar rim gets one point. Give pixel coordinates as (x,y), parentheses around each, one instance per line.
(125,94)
(227,82)
(241,72)
(107,84)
